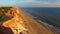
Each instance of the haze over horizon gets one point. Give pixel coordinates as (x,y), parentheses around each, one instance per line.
(30,3)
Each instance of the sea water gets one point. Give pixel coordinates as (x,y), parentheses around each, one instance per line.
(47,15)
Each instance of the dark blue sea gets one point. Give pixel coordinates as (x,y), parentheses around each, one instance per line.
(47,15)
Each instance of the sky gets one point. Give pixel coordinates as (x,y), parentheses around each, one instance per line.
(30,3)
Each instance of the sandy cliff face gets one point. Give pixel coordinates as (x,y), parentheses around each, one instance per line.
(14,22)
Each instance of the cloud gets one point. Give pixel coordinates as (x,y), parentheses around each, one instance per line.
(31,3)
(39,4)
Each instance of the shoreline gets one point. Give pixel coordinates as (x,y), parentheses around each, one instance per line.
(37,28)
(50,27)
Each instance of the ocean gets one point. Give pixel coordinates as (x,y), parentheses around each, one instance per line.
(50,16)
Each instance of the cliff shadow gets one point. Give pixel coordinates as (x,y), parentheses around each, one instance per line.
(5,30)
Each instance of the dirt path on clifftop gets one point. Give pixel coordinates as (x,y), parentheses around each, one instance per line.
(33,26)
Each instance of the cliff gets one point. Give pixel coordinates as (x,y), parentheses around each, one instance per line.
(14,21)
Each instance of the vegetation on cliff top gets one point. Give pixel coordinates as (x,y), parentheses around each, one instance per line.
(3,14)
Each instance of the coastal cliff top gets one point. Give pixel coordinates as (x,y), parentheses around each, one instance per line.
(7,13)
(3,13)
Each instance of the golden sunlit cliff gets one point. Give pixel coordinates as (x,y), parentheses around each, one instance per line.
(14,21)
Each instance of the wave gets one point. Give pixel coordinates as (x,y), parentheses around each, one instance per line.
(50,27)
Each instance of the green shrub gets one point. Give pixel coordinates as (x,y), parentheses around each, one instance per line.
(3,16)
